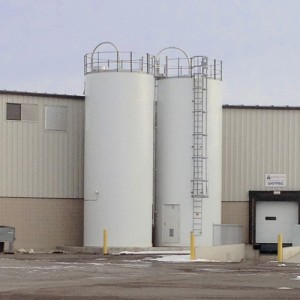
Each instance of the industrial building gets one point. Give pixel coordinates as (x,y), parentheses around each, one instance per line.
(41,174)
(150,155)
(261,169)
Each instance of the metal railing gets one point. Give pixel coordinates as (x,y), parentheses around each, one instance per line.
(227,234)
(215,69)
(172,67)
(181,67)
(159,67)
(119,61)
(212,69)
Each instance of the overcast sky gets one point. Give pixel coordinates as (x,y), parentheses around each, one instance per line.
(42,42)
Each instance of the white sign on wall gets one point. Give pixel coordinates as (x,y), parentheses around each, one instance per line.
(275,180)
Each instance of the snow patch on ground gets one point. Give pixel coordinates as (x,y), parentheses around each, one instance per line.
(133,261)
(154,252)
(181,256)
(84,263)
(177,258)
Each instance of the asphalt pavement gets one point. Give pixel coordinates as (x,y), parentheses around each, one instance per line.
(143,276)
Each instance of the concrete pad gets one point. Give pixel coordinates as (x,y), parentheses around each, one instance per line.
(295,259)
(224,253)
(99,250)
(291,254)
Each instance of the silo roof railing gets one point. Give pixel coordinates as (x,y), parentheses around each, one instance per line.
(201,65)
(178,67)
(118,62)
(160,67)
(215,70)
(211,68)
(167,67)
(172,67)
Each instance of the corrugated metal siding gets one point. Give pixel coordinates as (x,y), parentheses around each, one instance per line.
(35,162)
(257,142)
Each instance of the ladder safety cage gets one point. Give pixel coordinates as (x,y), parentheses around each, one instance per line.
(200,169)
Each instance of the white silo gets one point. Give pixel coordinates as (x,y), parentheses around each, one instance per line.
(118,176)
(188,150)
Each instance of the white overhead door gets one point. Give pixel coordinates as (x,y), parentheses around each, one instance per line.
(274,217)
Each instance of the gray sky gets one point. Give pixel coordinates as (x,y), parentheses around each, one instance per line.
(42,42)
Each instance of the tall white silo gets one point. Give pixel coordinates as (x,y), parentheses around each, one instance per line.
(188,151)
(118,175)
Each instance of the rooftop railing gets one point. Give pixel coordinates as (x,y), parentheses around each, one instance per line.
(119,62)
(160,67)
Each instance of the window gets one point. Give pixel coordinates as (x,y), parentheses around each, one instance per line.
(13,111)
(56,118)
(21,112)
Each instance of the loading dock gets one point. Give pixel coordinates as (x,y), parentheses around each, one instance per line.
(271,213)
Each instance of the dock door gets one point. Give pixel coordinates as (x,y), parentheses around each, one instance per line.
(273,217)
(271,213)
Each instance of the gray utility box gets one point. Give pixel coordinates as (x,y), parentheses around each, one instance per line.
(7,234)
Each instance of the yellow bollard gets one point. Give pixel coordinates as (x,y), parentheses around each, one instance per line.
(279,249)
(105,242)
(192,257)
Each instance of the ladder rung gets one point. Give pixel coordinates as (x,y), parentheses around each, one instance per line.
(197,204)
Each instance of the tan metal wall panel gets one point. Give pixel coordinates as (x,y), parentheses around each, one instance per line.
(35,162)
(44,223)
(257,142)
(237,213)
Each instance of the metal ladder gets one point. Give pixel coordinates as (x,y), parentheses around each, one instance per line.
(200,175)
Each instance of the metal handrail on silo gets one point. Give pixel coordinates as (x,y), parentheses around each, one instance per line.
(215,70)
(125,62)
(168,67)
(101,44)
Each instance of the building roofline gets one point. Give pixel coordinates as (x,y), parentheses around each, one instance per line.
(36,94)
(78,97)
(261,107)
